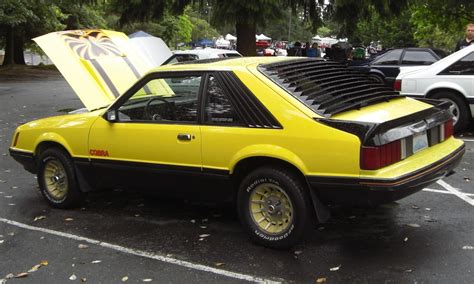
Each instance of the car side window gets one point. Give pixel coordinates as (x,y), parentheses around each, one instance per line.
(464,66)
(412,57)
(389,58)
(164,100)
(218,107)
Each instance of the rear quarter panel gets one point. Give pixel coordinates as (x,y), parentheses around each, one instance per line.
(314,148)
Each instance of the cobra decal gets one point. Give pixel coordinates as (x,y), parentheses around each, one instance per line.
(94,44)
(91,44)
(99,153)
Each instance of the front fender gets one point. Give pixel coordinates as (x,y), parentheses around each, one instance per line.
(55,138)
(270,151)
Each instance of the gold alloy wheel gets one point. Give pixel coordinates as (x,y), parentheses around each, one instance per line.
(55,179)
(271,208)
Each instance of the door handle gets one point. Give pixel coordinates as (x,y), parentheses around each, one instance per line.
(185,137)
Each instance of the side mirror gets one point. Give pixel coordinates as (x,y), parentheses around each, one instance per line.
(111,115)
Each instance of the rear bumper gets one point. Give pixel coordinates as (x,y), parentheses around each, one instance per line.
(24,158)
(350,191)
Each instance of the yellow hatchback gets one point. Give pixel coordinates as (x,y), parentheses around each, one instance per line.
(281,137)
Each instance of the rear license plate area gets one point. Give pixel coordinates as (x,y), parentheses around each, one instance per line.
(420,141)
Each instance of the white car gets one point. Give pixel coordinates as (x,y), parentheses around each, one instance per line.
(450,79)
(196,54)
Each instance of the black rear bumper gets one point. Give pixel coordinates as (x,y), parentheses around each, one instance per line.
(26,159)
(353,191)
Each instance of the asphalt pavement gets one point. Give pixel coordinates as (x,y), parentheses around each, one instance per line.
(132,237)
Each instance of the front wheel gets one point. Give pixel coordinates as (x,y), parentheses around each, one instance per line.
(273,207)
(57,179)
(459,109)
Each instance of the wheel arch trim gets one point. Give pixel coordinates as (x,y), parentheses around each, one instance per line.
(445,86)
(270,152)
(455,91)
(51,138)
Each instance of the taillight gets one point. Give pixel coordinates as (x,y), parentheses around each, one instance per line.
(373,158)
(397,85)
(447,129)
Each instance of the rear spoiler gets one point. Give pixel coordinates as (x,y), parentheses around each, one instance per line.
(376,134)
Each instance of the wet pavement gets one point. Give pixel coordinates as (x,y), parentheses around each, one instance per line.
(135,237)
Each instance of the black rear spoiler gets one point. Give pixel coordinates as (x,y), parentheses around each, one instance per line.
(376,134)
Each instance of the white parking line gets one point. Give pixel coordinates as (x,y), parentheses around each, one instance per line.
(444,191)
(467,140)
(130,251)
(456,192)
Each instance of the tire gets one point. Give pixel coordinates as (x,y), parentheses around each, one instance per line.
(57,179)
(376,78)
(273,207)
(459,109)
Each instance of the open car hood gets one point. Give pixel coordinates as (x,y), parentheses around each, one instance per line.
(99,65)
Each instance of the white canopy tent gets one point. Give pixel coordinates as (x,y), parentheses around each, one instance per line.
(327,41)
(222,43)
(230,37)
(262,37)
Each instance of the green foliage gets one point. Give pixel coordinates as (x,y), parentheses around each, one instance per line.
(441,23)
(246,11)
(325,31)
(84,15)
(279,28)
(146,10)
(432,23)
(391,31)
(16,12)
(201,28)
(348,13)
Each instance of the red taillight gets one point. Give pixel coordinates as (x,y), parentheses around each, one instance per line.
(373,158)
(397,85)
(448,129)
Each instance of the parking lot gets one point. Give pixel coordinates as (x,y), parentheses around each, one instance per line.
(122,236)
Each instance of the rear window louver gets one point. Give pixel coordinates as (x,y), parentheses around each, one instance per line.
(252,112)
(327,87)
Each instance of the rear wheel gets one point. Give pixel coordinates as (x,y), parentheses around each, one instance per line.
(273,207)
(57,179)
(459,109)
(376,78)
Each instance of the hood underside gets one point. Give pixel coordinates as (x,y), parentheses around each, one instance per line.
(99,65)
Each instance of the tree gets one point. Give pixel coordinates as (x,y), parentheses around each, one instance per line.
(201,28)
(247,15)
(391,31)
(21,20)
(282,28)
(177,29)
(441,23)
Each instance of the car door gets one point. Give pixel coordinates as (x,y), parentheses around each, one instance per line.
(150,132)
(461,74)
(388,63)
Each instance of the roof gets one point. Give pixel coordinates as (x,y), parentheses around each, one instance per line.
(223,63)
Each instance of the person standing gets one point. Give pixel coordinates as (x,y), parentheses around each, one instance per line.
(468,40)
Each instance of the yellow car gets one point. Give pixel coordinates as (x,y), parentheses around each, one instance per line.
(282,137)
